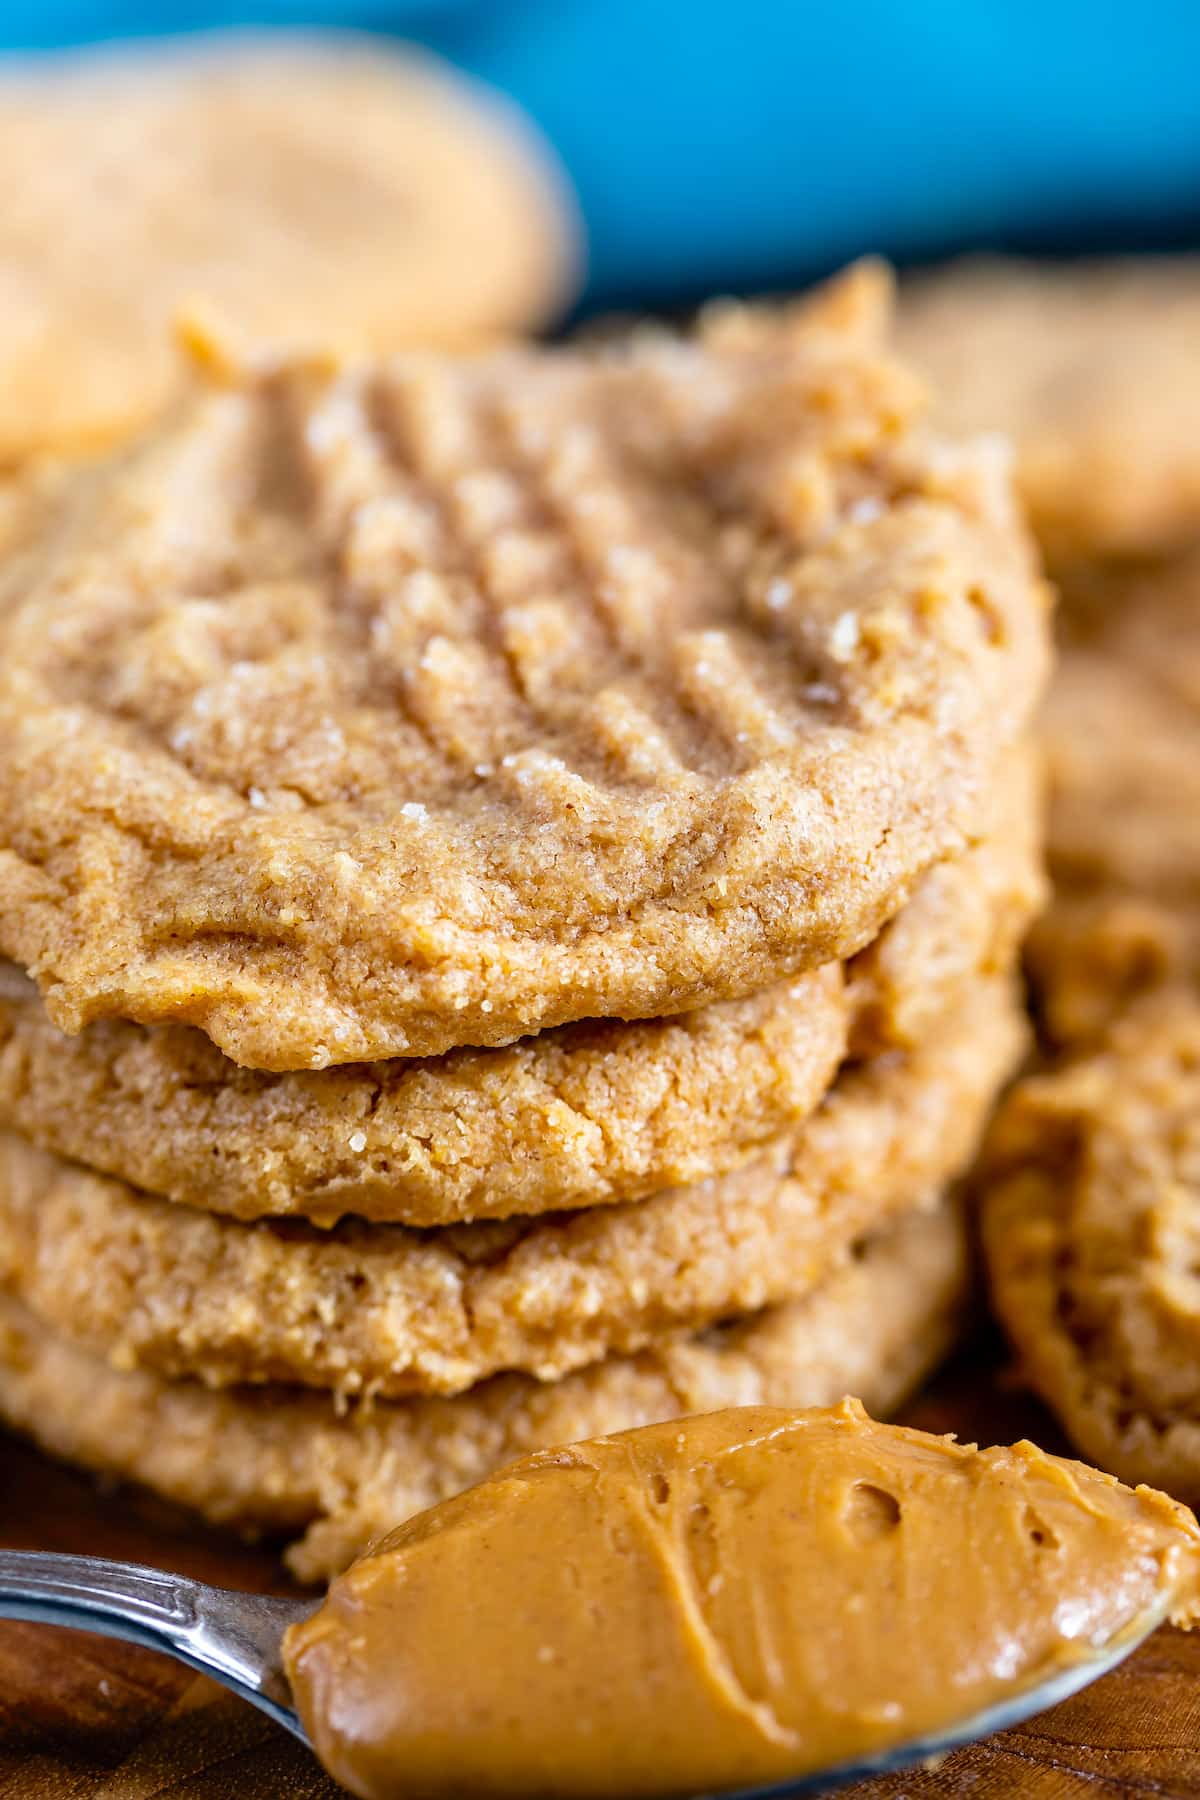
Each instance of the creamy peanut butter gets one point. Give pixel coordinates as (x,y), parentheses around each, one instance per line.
(721,1601)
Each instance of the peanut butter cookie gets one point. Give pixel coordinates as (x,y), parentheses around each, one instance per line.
(1122,739)
(389,1310)
(296,189)
(581,1115)
(1094,370)
(370,712)
(286,1461)
(1091,1223)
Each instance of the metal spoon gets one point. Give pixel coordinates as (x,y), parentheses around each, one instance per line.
(235,1639)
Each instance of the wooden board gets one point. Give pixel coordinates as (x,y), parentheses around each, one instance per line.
(82,1719)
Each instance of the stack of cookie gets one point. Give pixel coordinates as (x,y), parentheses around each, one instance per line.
(1091,1181)
(512,869)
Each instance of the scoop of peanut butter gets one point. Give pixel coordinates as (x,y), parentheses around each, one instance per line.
(719,1602)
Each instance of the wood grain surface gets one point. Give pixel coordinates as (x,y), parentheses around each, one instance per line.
(82,1719)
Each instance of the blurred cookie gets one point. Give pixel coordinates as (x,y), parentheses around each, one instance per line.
(1094,370)
(1121,731)
(1091,1223)
(1090,957)
(579,1116)
(428,703)
(385,1309)
(286,1461)
(298,189)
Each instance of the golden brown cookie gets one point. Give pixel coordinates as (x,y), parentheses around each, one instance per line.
(287,1461)
(386,1309)
(586,1114)
(374,712)
(296,189)
(1122,737)
(578,1116)
(1091,1222)
(1094,370)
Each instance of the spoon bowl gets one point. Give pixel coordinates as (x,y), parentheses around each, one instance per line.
(235,1638)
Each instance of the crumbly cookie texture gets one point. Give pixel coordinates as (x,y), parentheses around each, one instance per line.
(384,1309)
(372,712)
(1091,1224)
(286,1461)
(581,1115)
(1122,738)
(294,189)
(1094,370)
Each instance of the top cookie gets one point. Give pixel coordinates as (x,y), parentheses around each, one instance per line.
(294,187)
(373,711)
(1094,370)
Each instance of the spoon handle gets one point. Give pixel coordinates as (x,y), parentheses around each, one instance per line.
(230,1636)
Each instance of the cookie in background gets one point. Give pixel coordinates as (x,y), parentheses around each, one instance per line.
(1122,735)
(221,174)
(1093,370)
(1089,1178)
(1092,1232)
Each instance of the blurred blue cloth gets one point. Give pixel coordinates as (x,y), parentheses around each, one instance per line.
(717,144)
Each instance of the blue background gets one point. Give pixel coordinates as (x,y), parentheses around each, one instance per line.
(731,143)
